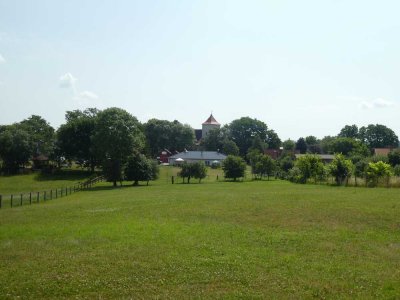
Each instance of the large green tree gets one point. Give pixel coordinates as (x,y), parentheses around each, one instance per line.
(163,134)
(214,139)
(378,136)
(348,146)
(15,147)
(243,131)
(349,131)
(234,167)
(140,168)
(74,138)
(41,135)
(301,145)
(117,135)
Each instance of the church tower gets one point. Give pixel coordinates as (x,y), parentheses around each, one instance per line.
(209,124)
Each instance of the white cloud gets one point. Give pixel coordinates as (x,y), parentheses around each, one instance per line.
(86,95)
(67,81)
(376,103)
(82,98)
(2,59)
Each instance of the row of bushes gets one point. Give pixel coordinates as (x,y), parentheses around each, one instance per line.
(310,167)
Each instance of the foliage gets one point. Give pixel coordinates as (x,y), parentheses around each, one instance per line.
(311,140)
(272,140)
(74,138)
(286,163)
(140,168)
(196,170)
(289,145)
(396,170)
(243,131)
(310,166)
(234,167)
(163,134)
(15,148)
(378,136)
(347,146)
(265,166)
(349,131)
(41,135)
(117,135)
(394,157)
(258,145)
(379,157)
(341,169)
(214,140)
(377,171)
(301,145)
(230,148)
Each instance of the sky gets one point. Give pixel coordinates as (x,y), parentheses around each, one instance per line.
(302,67)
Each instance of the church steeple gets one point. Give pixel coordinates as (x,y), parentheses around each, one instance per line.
(211,120)
(209,124)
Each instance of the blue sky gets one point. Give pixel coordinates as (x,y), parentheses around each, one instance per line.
(302,67)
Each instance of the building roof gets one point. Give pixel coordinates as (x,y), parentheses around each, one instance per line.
(200,155)
(211,120)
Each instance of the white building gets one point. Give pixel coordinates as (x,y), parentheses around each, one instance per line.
(208,157)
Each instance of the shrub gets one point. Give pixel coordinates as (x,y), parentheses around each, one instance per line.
(234,167)
(340,168)
(377,171)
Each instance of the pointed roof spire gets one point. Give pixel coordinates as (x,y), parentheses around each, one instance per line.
(211,120)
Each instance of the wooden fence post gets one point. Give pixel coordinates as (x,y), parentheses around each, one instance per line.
(172,179)
(38,197)
(44,195)
(12,196)
(21,199)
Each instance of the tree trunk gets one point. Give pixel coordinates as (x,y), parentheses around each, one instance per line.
(136,182)
(114,183)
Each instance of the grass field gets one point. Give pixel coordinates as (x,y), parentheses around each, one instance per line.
(38,182)
(212,240)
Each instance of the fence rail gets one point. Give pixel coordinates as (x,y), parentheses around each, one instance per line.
(20,199)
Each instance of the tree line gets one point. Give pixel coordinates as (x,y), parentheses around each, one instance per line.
(113,140)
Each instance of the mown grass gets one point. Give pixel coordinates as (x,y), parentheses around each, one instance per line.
(262,239)
(37,181)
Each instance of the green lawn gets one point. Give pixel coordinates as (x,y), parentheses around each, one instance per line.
(213,240)
(38,182)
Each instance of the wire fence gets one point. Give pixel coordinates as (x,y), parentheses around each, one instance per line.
(20,199)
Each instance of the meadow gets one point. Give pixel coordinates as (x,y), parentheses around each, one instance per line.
(252,239)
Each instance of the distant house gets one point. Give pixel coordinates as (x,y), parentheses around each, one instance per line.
(40,161)
(208,157)
(164,155)
(273,153)
(382,151)
(326,158)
